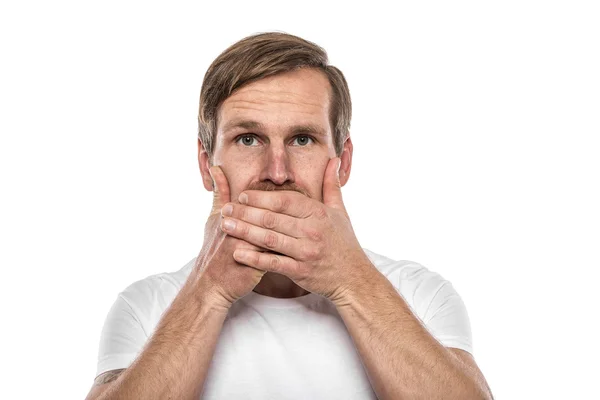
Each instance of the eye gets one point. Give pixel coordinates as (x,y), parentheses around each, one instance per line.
(303,140)
(246,140)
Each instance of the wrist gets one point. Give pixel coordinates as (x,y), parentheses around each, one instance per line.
(205,294)
(363,281)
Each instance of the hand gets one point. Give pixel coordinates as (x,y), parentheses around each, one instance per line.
(318,248)
(216,272)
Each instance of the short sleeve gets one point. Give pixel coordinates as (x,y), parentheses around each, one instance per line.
(122,337)
(446,317)
(431,298)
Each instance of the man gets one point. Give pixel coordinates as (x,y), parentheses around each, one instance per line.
(282,301)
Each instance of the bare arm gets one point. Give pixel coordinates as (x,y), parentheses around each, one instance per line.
(102,383)
(401,358)
(174,361)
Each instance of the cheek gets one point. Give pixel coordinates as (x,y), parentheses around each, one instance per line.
(239,176)
(238,169)
(309,175)
(239,181)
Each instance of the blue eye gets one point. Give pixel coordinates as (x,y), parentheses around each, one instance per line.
(304,140)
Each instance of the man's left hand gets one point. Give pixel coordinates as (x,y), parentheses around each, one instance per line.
(315,242)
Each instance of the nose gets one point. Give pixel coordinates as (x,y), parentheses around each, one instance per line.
(277,166)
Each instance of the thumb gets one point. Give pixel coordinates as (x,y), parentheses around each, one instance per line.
(332,191)
(221,195)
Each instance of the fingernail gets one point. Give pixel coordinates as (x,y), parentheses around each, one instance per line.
(228,224)
(243,198)
(227,210)
(241,255)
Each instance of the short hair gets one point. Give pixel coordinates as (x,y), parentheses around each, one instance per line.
(259,56)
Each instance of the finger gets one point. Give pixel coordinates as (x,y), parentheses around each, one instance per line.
(242,244)
(221,194)
(332,190)
(261,237)
(287,202)
(270,262)
(265,218)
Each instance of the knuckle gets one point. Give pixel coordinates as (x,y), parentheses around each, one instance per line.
(321,213)
(275,261)
(310,252)
(244,229)
(313,253)
(282,203)
(315,235)
(286,203)
(269,220)
(294,224)
(270,240)
(243,213)
(255,259)
(302,270)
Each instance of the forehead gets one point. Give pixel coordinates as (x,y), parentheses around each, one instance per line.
(299,98)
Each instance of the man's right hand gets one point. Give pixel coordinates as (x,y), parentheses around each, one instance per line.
(216,271)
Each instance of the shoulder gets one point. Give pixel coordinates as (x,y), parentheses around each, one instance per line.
(404,274)
(431,297)
(417,284)
(150,295)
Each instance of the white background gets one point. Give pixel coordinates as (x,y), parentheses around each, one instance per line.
(475,129)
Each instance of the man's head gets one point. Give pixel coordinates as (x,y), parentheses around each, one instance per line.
(272,114)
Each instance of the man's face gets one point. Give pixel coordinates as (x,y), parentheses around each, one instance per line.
(274,134)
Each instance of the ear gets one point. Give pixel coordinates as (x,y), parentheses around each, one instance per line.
(204,164)
(346,164)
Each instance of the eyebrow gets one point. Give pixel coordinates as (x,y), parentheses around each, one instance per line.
(254,125)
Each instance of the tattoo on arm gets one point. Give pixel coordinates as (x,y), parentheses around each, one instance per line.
(108,376)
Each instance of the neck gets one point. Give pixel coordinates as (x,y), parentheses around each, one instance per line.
(279,286)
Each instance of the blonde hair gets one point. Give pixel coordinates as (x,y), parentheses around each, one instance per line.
(259,56)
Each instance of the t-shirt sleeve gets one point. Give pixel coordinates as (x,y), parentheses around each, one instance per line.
(446,316)
(122,337)
(431,298)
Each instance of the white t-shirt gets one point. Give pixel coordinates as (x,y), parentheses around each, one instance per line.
(271,348)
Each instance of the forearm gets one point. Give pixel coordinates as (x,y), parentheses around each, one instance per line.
(175,359)
(401,358)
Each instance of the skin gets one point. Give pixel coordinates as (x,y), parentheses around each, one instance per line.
(301,235)
(276,158)
(311,242)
